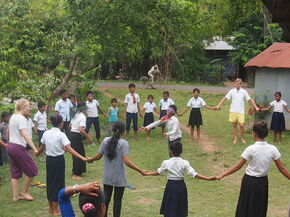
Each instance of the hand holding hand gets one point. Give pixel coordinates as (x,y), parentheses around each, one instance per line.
(144,172)
(90,140)
(179,114)
(142,128)
(212,178)
(219,177)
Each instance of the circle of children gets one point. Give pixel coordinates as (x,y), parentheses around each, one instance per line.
(70,125)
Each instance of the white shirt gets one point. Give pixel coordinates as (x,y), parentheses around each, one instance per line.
(17,122)
(78,121)
(278,106)
(41,120)
(92,111)
(238,100)
(260,155)
(132,107)
(165,104)
(152,70)
(196,103)
(174,131)
(63,108)
(149,107)
(176,168)
(54,141)
(30,125)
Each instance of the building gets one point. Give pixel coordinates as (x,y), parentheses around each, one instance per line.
(271,73)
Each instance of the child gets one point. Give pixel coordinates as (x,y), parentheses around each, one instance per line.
(56,143)
(174,202)
(278,119)
(253,199)
(172,123)
(195,118)
(40,120)
(74,102)
(113,114)
(78,125)
(164,104)
(149,107)
(63,107)
(93,114)
(4,125)
(116,154)
(132,107)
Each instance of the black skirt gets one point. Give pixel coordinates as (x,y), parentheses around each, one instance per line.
(278,121)
(79,166)
(148,119)
(174,202)
(253,199)
(55,176)
(195,118)
(162,113)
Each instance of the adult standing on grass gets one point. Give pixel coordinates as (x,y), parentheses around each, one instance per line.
(19,157)
(116,153)
(154,69)
(238,96)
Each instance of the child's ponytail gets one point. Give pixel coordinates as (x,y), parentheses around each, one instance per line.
(118,130)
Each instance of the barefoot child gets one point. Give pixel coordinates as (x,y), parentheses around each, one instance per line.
(195,118)
(278,119)
(132,107)
(164,104)
(56,143)
(253,199)
(149,107)
(174,201)
(113,114)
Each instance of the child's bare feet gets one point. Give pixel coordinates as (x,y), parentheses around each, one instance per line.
(235,141)
(243,141)
(27,196)
(147,138)
(75,177)
(15,199)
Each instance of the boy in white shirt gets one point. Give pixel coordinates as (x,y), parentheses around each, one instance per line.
(40,121)
(132,107)
(93,114)
(238,96)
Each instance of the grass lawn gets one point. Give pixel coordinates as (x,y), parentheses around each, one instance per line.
(214,199)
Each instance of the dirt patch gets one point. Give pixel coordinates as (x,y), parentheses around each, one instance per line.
(146,201)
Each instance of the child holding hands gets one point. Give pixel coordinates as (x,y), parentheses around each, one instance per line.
(174,202)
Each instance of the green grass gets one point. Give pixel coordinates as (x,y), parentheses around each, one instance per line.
(213,199)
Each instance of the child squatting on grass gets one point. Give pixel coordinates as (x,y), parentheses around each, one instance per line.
(253,199)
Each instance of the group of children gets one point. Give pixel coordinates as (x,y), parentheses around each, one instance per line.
(75,119)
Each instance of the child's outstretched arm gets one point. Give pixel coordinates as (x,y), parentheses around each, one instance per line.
(282,169)
(74,153)
(210,108)
(218,107)
(211,178)
(3,144)
(156,111)
(254,104)
(184,111)
(266,109)
(287,109)
(101,111)
(132,165)
(235,168)
(152,173)
(98,156)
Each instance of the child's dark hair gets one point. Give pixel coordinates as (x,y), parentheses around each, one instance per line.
(81,105)
(72,96)
(62,91)
(114,100)
(132,85)
(175,148)
(118,129)
(89,92)
(4,115)
(40,104)
(173,107)
(150,96)
(166,93)
(261,129)
(89,205)
(196,89)
(56,120)
(278,93)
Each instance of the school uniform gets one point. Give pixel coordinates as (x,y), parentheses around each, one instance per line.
(113,117)
(253,198)
(132,100)
(54,141)
(63,108)
(4,137)
(278,119)
(175,202)
(149,116)
(93,117)
(195,118)
(163,108)
(78,121)
(237,109)
(41,123)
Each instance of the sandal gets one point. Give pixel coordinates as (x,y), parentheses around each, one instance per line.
(42,186)
(131,187)
(36,183)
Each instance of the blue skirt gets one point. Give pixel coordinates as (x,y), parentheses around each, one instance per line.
(162,113)
(174,202)
(278,121)
(148,119)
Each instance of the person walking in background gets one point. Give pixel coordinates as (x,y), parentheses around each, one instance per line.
(238,96)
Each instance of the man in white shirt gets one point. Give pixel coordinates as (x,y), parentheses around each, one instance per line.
(93,114)
(40,120)
(63,107)
(154,69)
(238,96)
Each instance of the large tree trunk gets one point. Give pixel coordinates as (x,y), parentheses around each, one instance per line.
(64,82)
(74,85)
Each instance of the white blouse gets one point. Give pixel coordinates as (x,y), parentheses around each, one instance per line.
(78,121)
(278,106)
